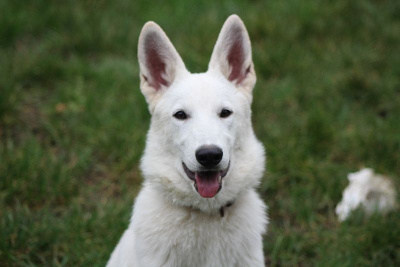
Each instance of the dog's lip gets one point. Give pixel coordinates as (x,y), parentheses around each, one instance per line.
(192,174)
(188,172)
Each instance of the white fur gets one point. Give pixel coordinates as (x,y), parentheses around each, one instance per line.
(172,225)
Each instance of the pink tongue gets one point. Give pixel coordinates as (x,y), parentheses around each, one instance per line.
(207,183)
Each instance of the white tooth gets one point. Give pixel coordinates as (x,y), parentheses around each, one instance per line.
(219,179)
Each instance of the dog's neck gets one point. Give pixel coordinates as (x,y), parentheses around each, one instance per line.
(221,210)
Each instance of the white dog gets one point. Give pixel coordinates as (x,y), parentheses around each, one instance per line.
(198,205)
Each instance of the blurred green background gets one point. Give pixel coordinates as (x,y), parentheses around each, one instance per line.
(73,121)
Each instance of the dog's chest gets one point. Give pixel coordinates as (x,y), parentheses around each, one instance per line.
(194,239)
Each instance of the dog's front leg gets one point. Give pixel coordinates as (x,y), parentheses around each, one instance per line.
(147,255)
(253,256)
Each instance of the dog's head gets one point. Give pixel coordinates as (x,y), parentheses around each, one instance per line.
(201,123)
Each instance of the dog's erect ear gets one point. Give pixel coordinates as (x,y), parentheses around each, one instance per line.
(232,54)
(159,62)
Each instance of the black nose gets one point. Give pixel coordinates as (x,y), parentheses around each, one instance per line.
(209,156)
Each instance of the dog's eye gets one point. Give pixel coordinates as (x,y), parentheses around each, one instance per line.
(180,115)
(225,113)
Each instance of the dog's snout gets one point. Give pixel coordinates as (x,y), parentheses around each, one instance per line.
(209,156)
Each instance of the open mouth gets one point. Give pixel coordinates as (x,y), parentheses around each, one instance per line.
(207,183)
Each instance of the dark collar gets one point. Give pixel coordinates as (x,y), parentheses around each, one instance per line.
(222,211)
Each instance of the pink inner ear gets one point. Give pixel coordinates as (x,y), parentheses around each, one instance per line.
(236,56)
(155,63)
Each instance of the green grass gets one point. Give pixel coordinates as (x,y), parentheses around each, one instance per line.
(73,121)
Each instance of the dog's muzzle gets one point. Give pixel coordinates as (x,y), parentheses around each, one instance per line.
(207,183)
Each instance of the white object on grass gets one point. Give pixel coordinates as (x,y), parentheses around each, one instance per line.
(370,191)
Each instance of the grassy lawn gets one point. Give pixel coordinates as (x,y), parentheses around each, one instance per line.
(73,121)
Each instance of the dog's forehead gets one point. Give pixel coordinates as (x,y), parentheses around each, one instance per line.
(202,89)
